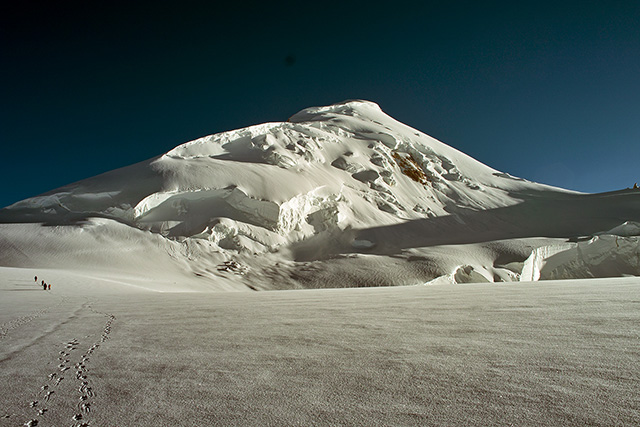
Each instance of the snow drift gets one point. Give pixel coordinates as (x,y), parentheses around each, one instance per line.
(341,195)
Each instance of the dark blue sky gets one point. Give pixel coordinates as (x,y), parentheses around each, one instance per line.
(549,91)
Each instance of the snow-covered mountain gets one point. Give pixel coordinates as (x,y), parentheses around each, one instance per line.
(341,195)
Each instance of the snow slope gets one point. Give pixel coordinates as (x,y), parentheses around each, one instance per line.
(341,195)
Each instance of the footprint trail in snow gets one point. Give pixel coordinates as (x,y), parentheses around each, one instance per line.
(69,367)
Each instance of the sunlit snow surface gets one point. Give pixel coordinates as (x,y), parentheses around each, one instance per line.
(553,353)
(337,196)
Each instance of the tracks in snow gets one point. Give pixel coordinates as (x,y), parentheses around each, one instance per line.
(9,326)
(72,372)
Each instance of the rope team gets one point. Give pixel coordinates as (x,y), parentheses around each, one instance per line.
(45,286)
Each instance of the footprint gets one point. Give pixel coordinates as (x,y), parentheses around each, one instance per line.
(31,423)
(34,404)
(77,417)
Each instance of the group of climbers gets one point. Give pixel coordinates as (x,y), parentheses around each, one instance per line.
(45,286)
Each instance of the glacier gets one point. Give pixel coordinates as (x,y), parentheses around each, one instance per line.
(336,196)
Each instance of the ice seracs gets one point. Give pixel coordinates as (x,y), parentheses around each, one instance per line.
(614,253)
(331,182)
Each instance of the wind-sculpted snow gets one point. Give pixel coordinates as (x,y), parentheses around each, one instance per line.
(188,209)
(344,180)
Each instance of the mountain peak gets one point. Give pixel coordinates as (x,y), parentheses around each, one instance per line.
(351,107)
(328,168)
(338,191)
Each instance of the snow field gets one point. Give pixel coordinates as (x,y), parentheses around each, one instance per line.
(528,354)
